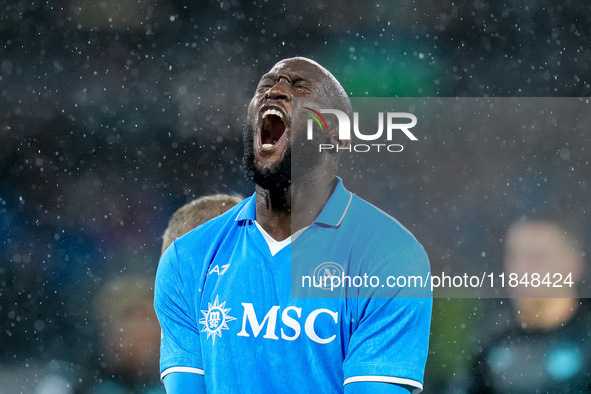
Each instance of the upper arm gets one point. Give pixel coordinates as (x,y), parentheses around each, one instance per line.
(180,348)
(180,382)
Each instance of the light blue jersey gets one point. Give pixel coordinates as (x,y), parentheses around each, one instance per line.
(227,312)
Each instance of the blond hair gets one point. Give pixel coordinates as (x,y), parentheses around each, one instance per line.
(195,213)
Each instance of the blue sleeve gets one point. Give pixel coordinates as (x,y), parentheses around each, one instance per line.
(390,343)
(178,382)
(180,347)
(376,388)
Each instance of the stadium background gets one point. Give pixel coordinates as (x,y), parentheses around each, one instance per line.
(115,113)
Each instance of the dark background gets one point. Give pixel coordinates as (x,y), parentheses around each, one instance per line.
(115,113)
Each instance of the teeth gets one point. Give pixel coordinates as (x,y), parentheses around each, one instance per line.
(266,146)
(272,112)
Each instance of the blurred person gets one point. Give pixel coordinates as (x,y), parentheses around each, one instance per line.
(129,338)
(195,213)
(223,294)
(547,349)
(130,333)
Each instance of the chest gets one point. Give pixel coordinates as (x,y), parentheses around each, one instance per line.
(247,300)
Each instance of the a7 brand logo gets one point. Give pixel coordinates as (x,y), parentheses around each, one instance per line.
(216,269)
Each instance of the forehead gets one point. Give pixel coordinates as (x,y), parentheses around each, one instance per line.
(540,235)
(300,68)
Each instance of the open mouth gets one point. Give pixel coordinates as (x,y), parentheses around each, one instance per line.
(272,128)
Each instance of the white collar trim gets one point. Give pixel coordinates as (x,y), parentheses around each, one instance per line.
(274,245)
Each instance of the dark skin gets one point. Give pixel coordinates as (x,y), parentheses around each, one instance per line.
(290,78)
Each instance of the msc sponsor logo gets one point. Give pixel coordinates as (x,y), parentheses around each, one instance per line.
(215,319)
(290,317)
(276,324)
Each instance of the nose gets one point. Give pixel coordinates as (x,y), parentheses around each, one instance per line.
(280,91)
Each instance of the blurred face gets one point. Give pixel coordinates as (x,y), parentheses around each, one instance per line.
(270,129)
(133,341)
(538,247)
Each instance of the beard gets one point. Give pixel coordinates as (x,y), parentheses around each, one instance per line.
(277,177)
(291,168)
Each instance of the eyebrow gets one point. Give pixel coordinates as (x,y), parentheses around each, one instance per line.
(291,75)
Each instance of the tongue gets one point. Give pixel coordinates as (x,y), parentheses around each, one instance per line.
(272,130)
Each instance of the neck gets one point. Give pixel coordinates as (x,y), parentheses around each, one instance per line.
(284,212)
(545,313)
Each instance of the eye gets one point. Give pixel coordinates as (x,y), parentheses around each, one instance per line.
(265,83)
(301,84)
(264,86)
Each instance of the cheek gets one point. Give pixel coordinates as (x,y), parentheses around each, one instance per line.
(517,263)
(252,107)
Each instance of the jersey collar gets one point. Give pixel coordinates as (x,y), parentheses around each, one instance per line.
(336,207)
(248,211)
(332,214)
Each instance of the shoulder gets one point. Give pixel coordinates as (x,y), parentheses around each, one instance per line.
(508,337)
(378,226)
(211,232)
(382,246)
(194,249)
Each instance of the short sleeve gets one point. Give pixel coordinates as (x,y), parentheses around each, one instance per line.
(180,347)
(390,343)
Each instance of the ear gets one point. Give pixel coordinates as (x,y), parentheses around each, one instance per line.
(577,267)
(333,137)
(342,144)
